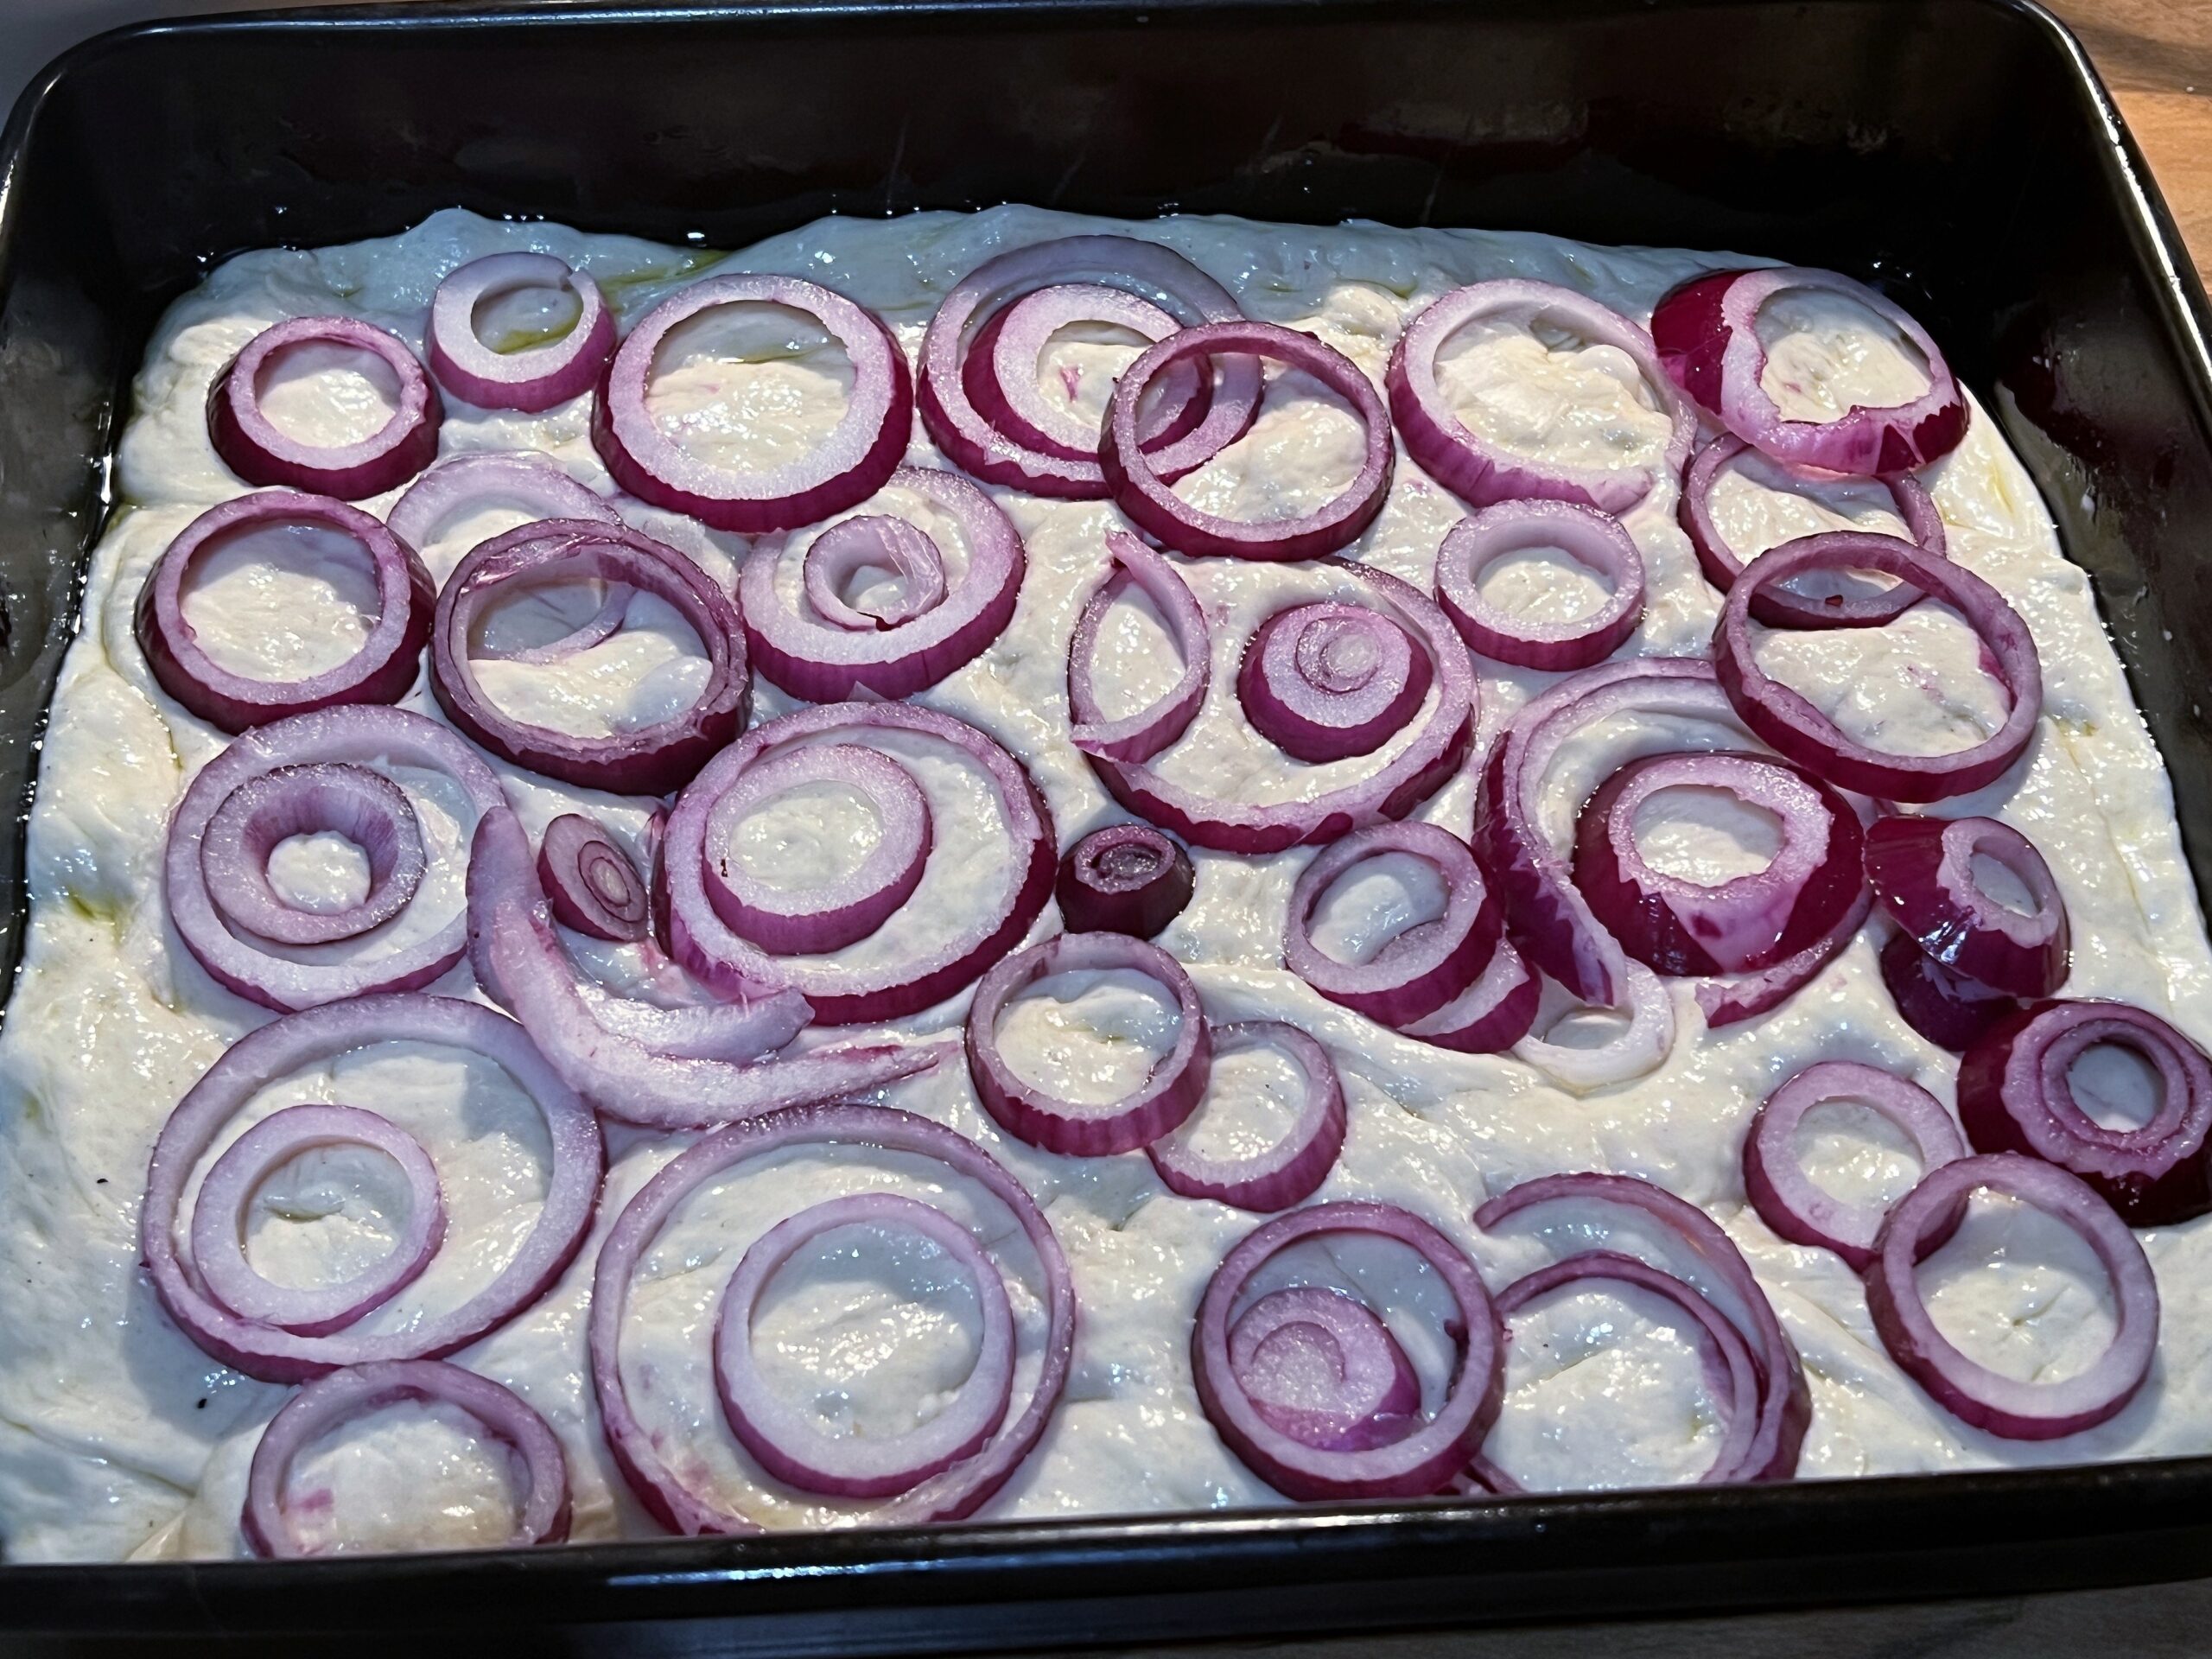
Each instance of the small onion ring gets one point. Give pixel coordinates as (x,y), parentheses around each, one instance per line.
(380,671)
(1596,540)
(1136,738)
(591,883)
(1323,681)
(261,452)
(1922,871)
(1126,878)
(522,479)
(1288,1172)
(1949,1012)
(533,379)
(853,544)
(337,797)
(1378,1397)
(357,1390)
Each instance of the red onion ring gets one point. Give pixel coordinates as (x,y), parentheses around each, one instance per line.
(1680,926)
(1167,1096)
(1126,878)
(1424,766)
(358,1390)
(615,1062)
(521,479)
(1138,737)
(1707,336)
(1949,1012)
(1290,1341)
(646,761)
(261,452)
(1000,373)
(793,921)
(592,886)
(1722,1351)
(1722,564)
(1731,997)
(1324,681)
(1480,473)
(1796,1206)
(1791,723)
(2015,1094)
(1139,481)
(1972,1392)
(784,1439)
(825,659)
(264,812)
(1596,540)
(1922,871)
(1158,273)
(355,736)
(732,966)
(849,466)
(380,671)
(1785,1403)
(1642,1045)
(850,545)
(1291,1169)
(219,1220)
(1492,1015)
(531,380)
(283,1046)
(1418,971)
(953,1495)
(1424,1459)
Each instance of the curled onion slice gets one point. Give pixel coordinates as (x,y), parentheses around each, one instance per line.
(263,452)
(785,1440)
(1778,607)
(874,540)
(1418,971)
(1170,1092)
(1426,763)
(532,380)
(1480,473)
(1730,998)
(1785,1405)
(1289,1171)
(733,966)
(951,1494)
(1949,1012)
(341,1396)
(1138,480)
(650,759)
(1320,1367)
(1922,870)
(519,479)
(593,886)
(614,1062)
(1969,1391)
(2016,1094)
(1421,1461)
(1681,926)
(1492,1015)
(352,736)
(1796,1206)
(1326,681)
(1156,273)
(824,658)
(284,1047)
(1138,737)
(846,468)
(1723,1352)
(1646,1037)
(264,812)
(219,1220)
(1595,539)
(1792,724)
(1126,878)
(380,671)
(1000,371)
(1707,336)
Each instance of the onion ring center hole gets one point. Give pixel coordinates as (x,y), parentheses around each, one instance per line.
(1707,835)
(1376,903)
(1543,584)
(2020,1293)
(325,1216)
(1301,454)
(1253,1099)
(1091,1037)
(1920,685)
(410,1475)
(2001,885)
(327,394)
(1855,1155)
(521,316)
(868,1329)
(1826,354)
(281,601)
(323,871)
(812,836)
(1757,504)
(2115,1087)
(1533,388)
(748,385)
(1137,660)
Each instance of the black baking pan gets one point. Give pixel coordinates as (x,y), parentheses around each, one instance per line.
(1958,153)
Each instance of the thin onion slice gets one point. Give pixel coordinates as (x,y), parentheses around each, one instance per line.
(1169,1093)
(1492,1015)
(1922,870)
(1731,998)
(1294,1344)
(1325,681)
(338,798)
(285,1047)
(524,479)
(1595,538)
(380,671)
(263,452)
(1949,1012)
(533,379)
(951,1495)
(1137,737)
(1290,1169)
(1126,878)
(592,886)
(1001,369)
(874,540)
(1646,1008)
(1969,1391)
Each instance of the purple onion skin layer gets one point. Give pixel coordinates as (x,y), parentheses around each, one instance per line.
(1126,878)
